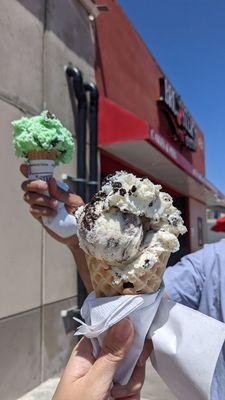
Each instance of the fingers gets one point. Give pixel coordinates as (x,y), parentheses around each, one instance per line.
(34,186)
(41,205)
(71,200)
(77,367)
(133,388)
(117,343)
(39,212)
(147,349)
(80,360)
(40,200)
(24,170)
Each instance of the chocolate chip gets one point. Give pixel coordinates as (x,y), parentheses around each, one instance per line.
(38,141)
(150,204)
(112,242)
(146,264)
(107,179)
(122,192)
(174,221)
(98,197)
(127,285)
(50,115)
(89,217)
(117,185)
(54,142)
(132,190)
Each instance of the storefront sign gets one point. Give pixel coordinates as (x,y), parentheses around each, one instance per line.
(163,144)
(183,119)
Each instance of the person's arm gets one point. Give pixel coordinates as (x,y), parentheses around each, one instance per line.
(44,206)
(184,281)
(41,205)
(80,260)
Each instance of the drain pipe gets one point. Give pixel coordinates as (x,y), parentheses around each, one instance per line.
(93,132)
(78,86)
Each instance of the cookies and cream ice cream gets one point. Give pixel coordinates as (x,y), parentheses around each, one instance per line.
(40,134)
(128,231)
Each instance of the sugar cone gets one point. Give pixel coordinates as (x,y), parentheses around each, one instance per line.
(102,278)
(41,155)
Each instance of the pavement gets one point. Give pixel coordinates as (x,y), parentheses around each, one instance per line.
(153,389)
(44,391)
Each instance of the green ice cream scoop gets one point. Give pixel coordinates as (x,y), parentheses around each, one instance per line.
(42,132)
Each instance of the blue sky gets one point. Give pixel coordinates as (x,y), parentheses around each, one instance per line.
(187,38)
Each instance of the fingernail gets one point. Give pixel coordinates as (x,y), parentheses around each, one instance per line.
(43,185)
(54,203)
(122,330)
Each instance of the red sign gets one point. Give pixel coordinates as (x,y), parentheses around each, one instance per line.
(185,131)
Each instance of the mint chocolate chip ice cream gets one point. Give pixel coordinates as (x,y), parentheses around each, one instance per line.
(42,133)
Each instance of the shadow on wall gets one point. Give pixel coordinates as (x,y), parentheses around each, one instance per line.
(56,18)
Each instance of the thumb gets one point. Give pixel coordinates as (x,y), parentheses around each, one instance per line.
(57,192)
(24,170)
(70,199)
(115,346)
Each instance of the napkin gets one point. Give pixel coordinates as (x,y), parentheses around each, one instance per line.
(63,224)
(186,343)
(101,313)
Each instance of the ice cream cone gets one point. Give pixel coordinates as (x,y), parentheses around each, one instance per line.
(41,155)
(102,278)
(41,164)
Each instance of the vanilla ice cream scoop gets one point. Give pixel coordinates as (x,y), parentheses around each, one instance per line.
(129,228)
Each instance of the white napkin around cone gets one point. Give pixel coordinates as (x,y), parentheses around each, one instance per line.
(63,224)
(186,343)
(102,313)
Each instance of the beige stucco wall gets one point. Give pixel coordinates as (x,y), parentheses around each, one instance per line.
(37,39)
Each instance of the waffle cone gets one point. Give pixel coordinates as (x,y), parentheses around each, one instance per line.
(102,278)
(41,155)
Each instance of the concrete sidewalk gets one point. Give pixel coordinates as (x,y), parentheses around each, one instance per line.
(154,388)
(44,391)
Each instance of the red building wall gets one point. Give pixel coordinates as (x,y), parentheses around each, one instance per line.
(127,73)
